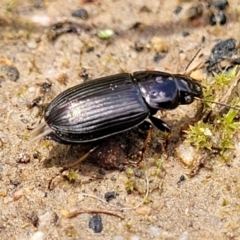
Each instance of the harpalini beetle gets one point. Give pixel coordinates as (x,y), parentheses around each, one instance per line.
(110,105)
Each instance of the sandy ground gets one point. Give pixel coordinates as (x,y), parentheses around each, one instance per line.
(205,206)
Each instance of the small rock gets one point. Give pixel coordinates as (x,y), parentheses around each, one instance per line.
(177,10)
(219,4)
(144,210)
(197,74)
(95,223)
(25,158)
(33,218)
(183,236)
(118,238)
(110,195)
(159,45)
(9,72)
(105,33)
(18,194)
(157,57)
(217,18)
(134,237)
(32,44)
(80,13)
(187,154)
(154,231)
(37,236)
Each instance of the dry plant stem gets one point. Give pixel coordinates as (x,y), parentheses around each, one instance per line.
(125,208)
(75,213)
(223,101)
(195,63)
(226,96)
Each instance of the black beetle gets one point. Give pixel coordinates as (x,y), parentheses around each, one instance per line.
(109,105)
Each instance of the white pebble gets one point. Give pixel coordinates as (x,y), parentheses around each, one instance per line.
(37,236)
(134,238)
(154,231)
(118,238)
(183,236)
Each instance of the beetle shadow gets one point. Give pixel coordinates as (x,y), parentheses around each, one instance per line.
(111,153)
(121,150)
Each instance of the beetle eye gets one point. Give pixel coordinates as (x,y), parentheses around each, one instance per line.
(153,93)
(198,88)
(188,99)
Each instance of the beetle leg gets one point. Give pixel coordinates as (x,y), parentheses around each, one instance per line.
(147,140)
(84,157)
(147,126)
(81,159)
(160,124)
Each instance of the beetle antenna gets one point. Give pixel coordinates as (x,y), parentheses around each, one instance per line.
(42,130)
(218,103)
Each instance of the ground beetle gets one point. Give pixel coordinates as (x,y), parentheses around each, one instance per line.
(109,105)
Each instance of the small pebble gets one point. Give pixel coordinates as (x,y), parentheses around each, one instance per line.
(25,158)
(118,238)
(32,44)
(33,218)
(105,33)
(195,11)
(138,46)
(15,182)
(18,194)
(154,231)
(219,4)
(134,238)
(9,72)
(37,236)
(185,34)
(95,223)
(44,219)
(187,154)
(218,18)
(183,236)
(4,137)
(44,21)
(197,74)
(24,120)
(110,195)
(159,45)
(80,13)
(36,155)
(157,57)
(144,210)
(177,10)
(181,179)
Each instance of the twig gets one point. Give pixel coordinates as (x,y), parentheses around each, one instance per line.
(77,212)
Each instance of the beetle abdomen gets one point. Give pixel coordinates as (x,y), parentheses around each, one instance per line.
(96,109)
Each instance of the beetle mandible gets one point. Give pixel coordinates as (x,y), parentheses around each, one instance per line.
(110,105)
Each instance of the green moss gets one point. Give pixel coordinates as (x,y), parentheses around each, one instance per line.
(72,175)
(22,91)
(71,232)
(199,135)
(25,136)
(47,144)
(219,132)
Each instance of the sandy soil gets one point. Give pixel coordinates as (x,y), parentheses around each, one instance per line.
(205,206)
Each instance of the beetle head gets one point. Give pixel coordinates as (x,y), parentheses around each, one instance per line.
(188,88)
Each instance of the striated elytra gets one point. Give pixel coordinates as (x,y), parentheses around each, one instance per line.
(109,105)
